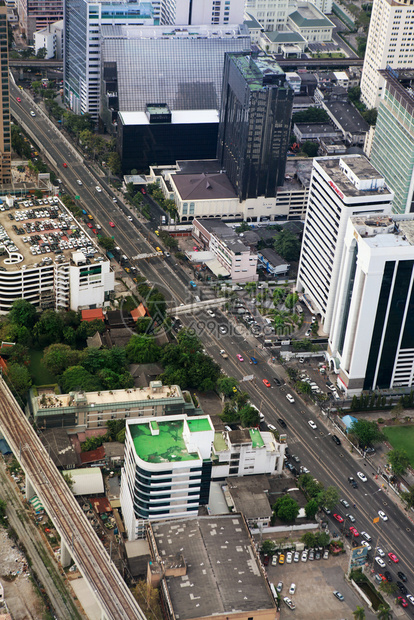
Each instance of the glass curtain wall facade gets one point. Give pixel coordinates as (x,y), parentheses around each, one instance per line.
(5,142)
(255,116)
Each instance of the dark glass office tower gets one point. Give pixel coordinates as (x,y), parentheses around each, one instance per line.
(255,115)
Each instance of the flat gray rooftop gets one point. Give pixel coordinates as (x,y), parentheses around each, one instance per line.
(223,574)
(361,167)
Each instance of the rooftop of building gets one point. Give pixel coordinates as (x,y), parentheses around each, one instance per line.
(316,128)
(178,117)
(284,36)
(36,233)
(109,397)
(361,168)
(273,257)
(197,166)
(162,441)
(386,231)
(250,495)
(223,572)
(203,186)
(60,447)
(400,83)
(259,71)
(225,233)
(252,23)
(308,16)
(173,32)
(348,117)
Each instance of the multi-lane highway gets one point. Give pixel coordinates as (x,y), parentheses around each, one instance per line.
(331,464)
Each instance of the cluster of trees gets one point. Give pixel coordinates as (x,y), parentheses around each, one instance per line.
(154,301)
(399,461)
(287,245)
(115,432)
(311,115)
(365,402)
(134,197)
(156,193)
(318,496)
(90,369)
(184,363)
(365,433)
(285,508)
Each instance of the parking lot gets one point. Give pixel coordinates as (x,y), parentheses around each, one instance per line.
(315,582)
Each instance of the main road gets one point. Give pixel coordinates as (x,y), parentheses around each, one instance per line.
(330,463)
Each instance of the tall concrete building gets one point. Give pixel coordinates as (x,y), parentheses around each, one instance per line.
(255,115)
(82,46)
(390,44)
(37,14)
(206,12)
(371,344)
(392,151)
(341,187)
(5,139)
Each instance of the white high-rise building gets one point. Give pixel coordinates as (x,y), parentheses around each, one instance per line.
(341,187)
(371,344)
(272,14)
(204,12)
(390,43)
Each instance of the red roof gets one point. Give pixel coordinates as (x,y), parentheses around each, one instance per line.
(93,315)
(3,363)
(93,455)
(139,312)
(101,504)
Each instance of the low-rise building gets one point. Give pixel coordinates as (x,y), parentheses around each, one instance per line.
(88,410)
(273,264)
(51,39)
(208,567)
(315,131)
(231,253)
(245,452)
(311,23)
(289,43)
(348,120)
(167,469)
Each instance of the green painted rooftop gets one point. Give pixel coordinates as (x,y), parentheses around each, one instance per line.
(255,436)
(219,442)
(199,424)
(166,447)
(254,70)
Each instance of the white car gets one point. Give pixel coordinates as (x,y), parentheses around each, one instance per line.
(312,424)
(380,561)
(274,560)
(304,556)
(114,199)
(351,518)
(366,536)
(292,588)
(382,515)
(410,598)
(78,181)
(98,189)
(279,587)
(211,313)
(32,113)
(289,603)
(290,398)
(296,556)
(366,544)
(362,476)
(380,552)
(129,217)
(289,557)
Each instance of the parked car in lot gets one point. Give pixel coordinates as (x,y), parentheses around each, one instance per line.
(292,588)
(289,603)
(296,556)
(274,560)
(338,595)
(279,587)
(304,556)
(289,557)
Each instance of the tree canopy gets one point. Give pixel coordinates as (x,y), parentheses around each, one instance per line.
(311,115)
(286,508)
(366,432)
(399,461)
(287,245)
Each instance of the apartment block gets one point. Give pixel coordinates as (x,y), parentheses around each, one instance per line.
(38,14)
(5,138)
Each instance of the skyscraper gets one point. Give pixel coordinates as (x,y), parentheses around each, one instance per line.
(390,43)
(371,343)
(206,12)
(341,187)
(5,141)
(392,151)
(256,108)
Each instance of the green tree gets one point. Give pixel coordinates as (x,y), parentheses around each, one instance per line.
(311,115)
(354,94)
(249,416)
(286,508)
(359,613)
(366,432)
(19,378)
(77,378)
(303,387)
(399,461)
(68,479)
(225,385)
(309,485)
(107,243)
(114,163)
(58,357)
(23,313)
(291,300)
(384,613)
(388,587)
(142,350)
(311,508)
(3,506)
(268,547)
(309,539)
(323,539)
(408,497)
(328,498)
(287,245)
(310,148)
(41,53)
(370,116)
(49,328)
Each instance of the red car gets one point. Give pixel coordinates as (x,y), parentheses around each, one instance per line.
(18,99)
(65,165)
(111,224)
(89,225)
(143,190)
(393,557)
(383,577)
(401,600)
(338,517)
(95,232)
(267,383)
(354,531)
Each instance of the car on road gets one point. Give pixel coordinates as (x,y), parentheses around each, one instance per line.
(308,332)
(366,536)
(253,360)
(289,603)
(282,422)
(402,576)
(336,440)
(279,587)
(382,515)
(351,518)
(362,476)
(380,577)
(129,217)
(388,575)
(401,600)
(114,199)
(90,225)
(292,588)
(402,587)
(366,544)
(380,552)
(277,381)
(353,482)
(273,428)
(344,503)
(295,458)
(111,224)
(393,557)
(338,517)
(410,597)
(338,595)
(290,398)
(380,561)
(32,113)
(312,424)
(354,531)
(157,232)
(239,357)
(211,313)
(65,165)
(304,470)
(267,383)
(18,100)
(79,182)
(98,189)
(95,232)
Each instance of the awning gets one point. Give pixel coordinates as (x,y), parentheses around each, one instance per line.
(217,268)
